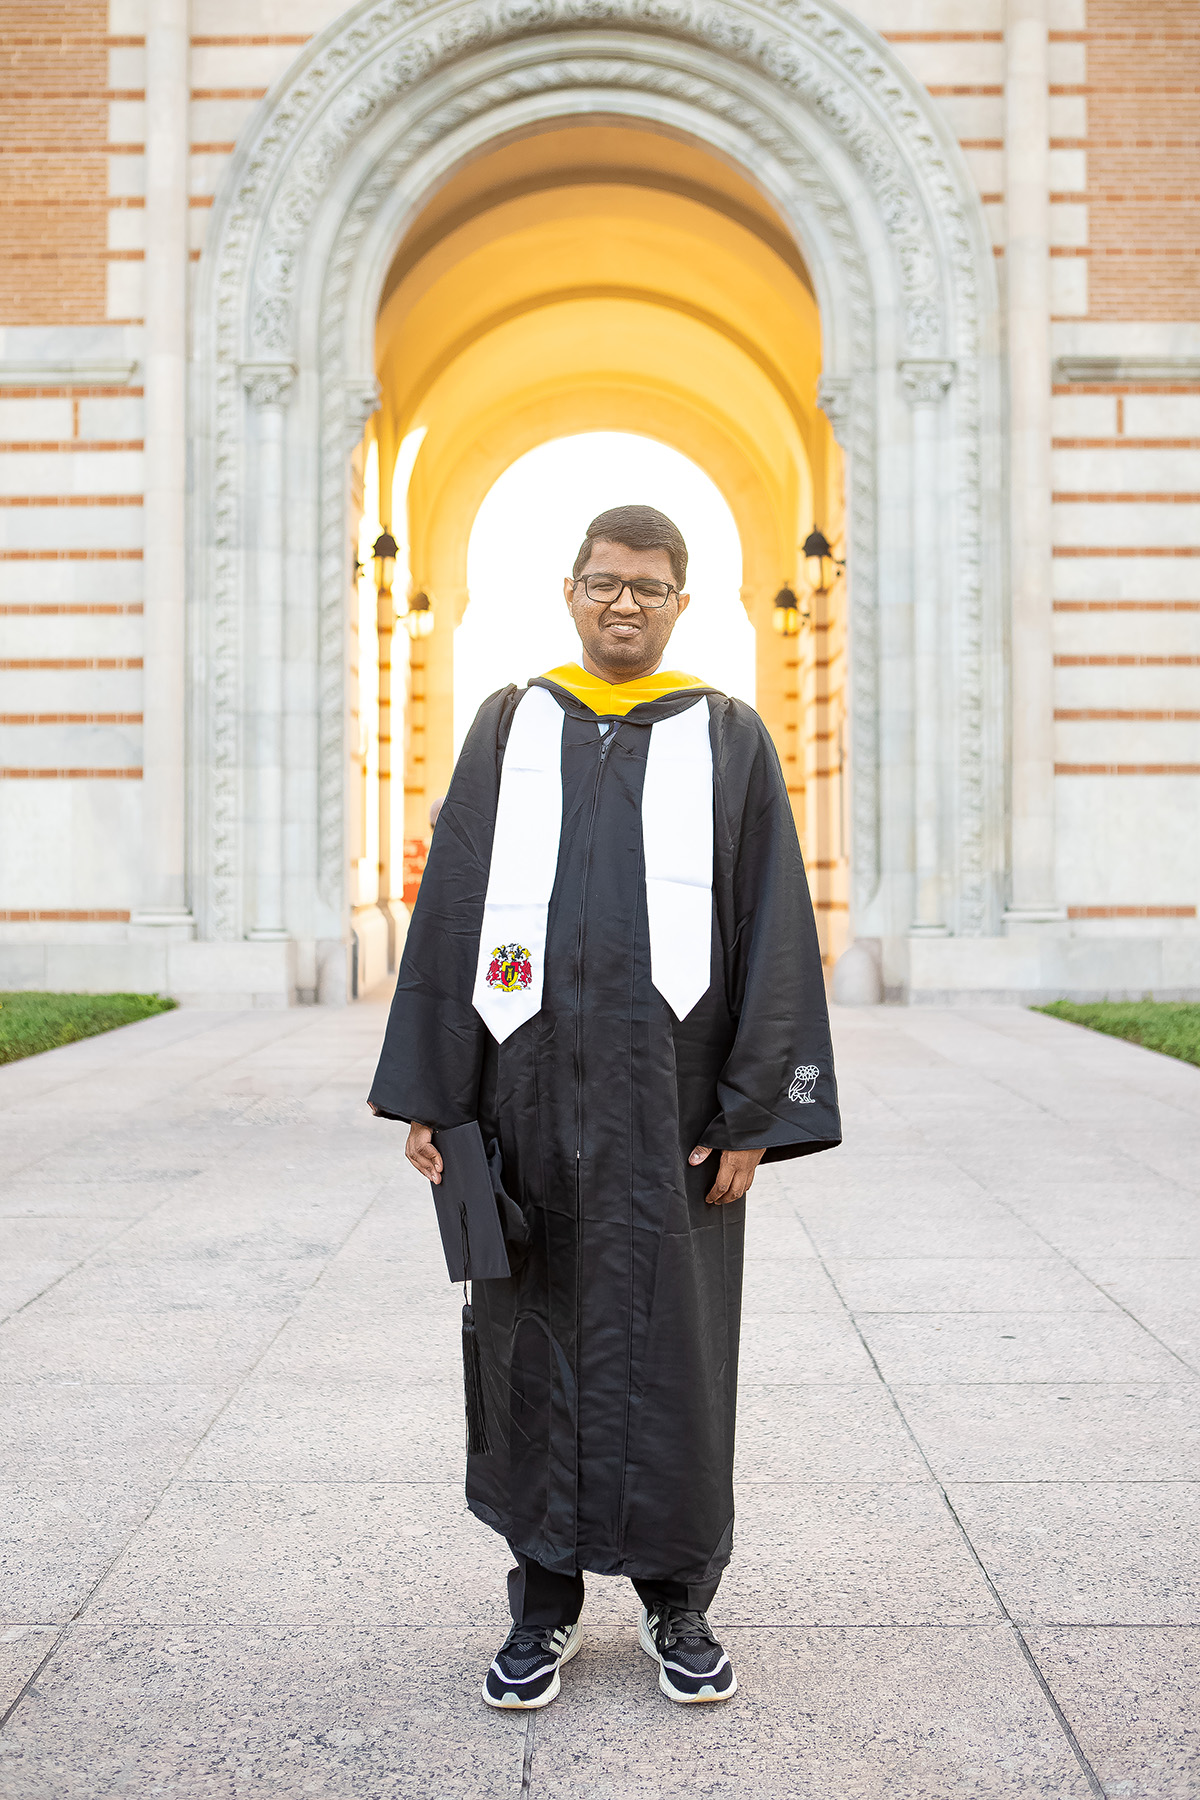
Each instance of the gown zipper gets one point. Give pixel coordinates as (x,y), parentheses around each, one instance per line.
(605,744)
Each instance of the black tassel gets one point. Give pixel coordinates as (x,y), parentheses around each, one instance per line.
(477,1437)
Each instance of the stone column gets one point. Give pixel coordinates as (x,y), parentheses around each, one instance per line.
(925,384)
(269,385)
(385,626)
(1027,275)
(163,900)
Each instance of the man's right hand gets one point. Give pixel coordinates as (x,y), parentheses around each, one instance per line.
(421,1153)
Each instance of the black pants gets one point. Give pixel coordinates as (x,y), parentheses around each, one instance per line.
(539,1597)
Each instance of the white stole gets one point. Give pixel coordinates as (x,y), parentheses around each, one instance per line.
(512,944)
(677,838)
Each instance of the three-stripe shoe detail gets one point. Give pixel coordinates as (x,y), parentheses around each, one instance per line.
(692,1666)
(524,1671)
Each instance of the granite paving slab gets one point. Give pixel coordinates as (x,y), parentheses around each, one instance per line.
(1056,1431)
(792,1286)
(802,1347)
(1105,1220)
(951,1284)
(818,1553)
(307,1553)
(349,1714)
(24,1194)
(1150,1285)
(824,1431)
(856,1714)
(1089,1553)
(104,1431)
(111,1284)
(974,1225)
(306,1430)
(181,1346)
(57,1538)
(1132,1696)
(1016,1346)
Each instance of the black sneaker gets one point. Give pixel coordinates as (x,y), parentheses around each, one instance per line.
(524,1672)
(691,1664)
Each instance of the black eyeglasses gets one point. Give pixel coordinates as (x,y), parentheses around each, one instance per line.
(606,590)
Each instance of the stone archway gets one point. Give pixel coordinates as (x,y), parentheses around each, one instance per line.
(814,109)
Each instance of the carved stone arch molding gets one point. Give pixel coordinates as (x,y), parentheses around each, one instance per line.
(817,111)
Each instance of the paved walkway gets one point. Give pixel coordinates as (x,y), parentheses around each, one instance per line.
(231,1435)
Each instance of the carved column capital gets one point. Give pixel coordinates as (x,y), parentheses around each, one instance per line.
(360,398)
(268,383)
(925,379)
(833,398)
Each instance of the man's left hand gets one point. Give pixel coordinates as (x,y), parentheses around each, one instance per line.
(735,1173)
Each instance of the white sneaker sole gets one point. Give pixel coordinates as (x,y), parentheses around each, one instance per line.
(702,1698)
(512,1703)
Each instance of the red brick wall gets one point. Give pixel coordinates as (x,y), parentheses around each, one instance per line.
(1144,158)
(53,171)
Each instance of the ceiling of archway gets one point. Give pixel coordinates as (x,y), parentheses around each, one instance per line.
(602,270)
(575,155)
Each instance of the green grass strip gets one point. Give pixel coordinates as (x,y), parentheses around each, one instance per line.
(30,1023)
(1170,1026)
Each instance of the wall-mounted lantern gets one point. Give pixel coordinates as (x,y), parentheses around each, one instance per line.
(384,553)
(418,620)
(820,564)
(787,615)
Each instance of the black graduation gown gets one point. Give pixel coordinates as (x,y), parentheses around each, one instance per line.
(610,1356)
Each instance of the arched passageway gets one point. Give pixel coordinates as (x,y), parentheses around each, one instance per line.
(600,276)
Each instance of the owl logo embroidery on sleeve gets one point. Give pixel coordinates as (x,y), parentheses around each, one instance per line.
(803,1082)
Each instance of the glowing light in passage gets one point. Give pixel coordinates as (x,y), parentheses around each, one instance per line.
(406,456)
(524,541)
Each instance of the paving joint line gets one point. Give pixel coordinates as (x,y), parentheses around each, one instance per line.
(143,1218)
(998,1200)
(527,1758)
(1071,1263)
(1060,1717)
(176,1472)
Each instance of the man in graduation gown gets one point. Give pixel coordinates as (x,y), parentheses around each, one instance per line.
(612,965)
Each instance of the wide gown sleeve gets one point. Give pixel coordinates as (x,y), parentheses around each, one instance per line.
(777,1087)
(432,1055)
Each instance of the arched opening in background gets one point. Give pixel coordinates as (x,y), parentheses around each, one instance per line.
(524,540)
(593,281)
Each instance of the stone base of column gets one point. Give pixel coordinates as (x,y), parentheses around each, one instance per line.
(857,975)
(929,931)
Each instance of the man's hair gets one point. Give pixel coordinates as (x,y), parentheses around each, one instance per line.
(638,528)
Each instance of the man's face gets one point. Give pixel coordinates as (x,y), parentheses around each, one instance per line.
(622,640)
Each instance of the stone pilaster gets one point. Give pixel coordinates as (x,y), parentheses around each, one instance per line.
(164,902)
(269,385)
(925,381)
(1027,274)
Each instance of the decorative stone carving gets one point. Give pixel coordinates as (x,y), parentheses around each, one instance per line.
(833,66)
(833,398)
(925,380)
(727,64)
(359,400)
(268,383)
